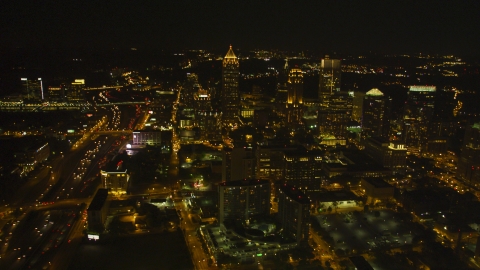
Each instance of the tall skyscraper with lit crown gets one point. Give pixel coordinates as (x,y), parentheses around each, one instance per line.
(375,114)
(295,96)
(418,113)
(230,91)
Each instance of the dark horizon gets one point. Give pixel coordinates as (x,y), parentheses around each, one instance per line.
(433,27)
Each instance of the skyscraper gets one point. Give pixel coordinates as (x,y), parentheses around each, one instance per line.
(375,114)
(230,91)
(418,113)
(295,96)
(330,79)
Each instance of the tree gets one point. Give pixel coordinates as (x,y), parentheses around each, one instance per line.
(335,205)
(329,209)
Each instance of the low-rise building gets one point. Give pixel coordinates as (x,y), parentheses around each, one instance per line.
(377,190)
(115,178)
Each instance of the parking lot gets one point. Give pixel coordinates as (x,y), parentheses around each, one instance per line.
(359,232)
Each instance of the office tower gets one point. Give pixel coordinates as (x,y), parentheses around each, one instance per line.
(334,119)
(240,200)
(76,91)
(209,123)
(375,114)
(190,87)
(303,169)
(238,163)
(418,113)
(295,96)
(391,155)
(271,160)
(469,161)
(330,79)
(357,106)
(32,89)
(293,213)
(230,91)
(56,93)
(281,100)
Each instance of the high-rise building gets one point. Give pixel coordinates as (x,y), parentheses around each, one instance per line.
(190,88)
(375,115)
(293,213)
(303,169)
(391,155)
(239,200)
(330,78)
(357,106)
(238,163)
(76,91)
(32,89)
(281,100)
(295,96)
(333,119)
(271,160)
(418,114)
(469,161)
(56,93)
(230,90)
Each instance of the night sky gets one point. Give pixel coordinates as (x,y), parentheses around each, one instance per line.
(343,26)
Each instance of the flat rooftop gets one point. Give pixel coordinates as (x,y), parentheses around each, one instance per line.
(99,200)
(295,194)
(244,182)
(377,182)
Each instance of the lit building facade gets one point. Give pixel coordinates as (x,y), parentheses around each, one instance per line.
(293,213)
(230,91)
(115,181)
(76,91)
(295,96)
(418,113)
(330,79)
(32,89)
(391,155)
(375,115)
(239,200)
(302,169)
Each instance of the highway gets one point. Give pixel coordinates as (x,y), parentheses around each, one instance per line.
(49,204)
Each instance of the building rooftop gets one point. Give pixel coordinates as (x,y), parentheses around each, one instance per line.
(374,92)
(336,195)
(295,194)
(99,200)
(377,182)
(244,182)
(422,88)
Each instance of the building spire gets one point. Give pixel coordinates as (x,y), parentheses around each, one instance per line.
(230,53)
